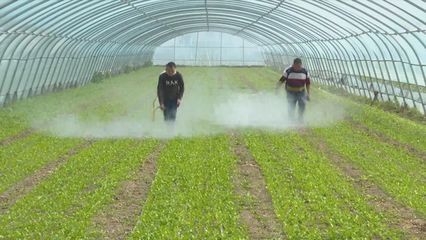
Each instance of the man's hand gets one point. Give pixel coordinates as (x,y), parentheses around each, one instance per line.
(277,90)
(308,97)
(162,107)
(278,85)
(178,102)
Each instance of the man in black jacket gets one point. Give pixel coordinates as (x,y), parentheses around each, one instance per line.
(170,90)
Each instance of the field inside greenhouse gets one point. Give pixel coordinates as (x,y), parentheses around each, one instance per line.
(99,162)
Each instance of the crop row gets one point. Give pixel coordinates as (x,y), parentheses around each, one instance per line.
(311,197)
(62,206)
(10,125)
(397,171)
(400,129)
(393,126)
(192,195)
(24,157)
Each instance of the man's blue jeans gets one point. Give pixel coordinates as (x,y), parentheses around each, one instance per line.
(296,98)
(170,110)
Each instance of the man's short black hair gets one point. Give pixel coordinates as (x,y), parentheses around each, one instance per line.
(297,61)
(171,65)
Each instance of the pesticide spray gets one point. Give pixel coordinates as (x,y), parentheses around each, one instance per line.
(200,114)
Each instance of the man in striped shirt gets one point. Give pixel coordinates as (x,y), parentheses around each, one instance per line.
(297,85)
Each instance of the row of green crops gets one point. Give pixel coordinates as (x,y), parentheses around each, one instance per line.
(24,157)
(10,125)
(192,195)
(311,197)
(400,129)
(62,206)
(393,126)
(397,171)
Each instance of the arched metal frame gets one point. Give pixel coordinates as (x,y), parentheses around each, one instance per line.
(364,47)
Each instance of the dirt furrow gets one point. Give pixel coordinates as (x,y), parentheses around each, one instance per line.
(405,218)
(8,198)
(120,217)
(384,138)
(16,137)
(257,211)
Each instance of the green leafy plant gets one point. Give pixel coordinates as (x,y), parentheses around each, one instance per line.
(311,197)
(62,206)
(397,171)
(192,195)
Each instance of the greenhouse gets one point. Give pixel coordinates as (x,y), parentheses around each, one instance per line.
(244,119)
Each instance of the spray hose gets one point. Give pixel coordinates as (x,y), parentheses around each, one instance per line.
(154,108)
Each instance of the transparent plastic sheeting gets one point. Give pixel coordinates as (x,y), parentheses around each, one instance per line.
(209,49)
(367,47)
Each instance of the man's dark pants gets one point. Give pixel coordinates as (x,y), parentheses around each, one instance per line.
(293,99)
(170,110)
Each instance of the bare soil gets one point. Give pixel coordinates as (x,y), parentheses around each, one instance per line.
(405,218)
(384,138)
(120,217)
(8,198)
(16,137)
(257,211)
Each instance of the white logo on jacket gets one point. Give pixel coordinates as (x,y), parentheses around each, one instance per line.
(171,82)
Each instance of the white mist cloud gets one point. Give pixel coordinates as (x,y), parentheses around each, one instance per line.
(200,115)
(258,110)
(270,111)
